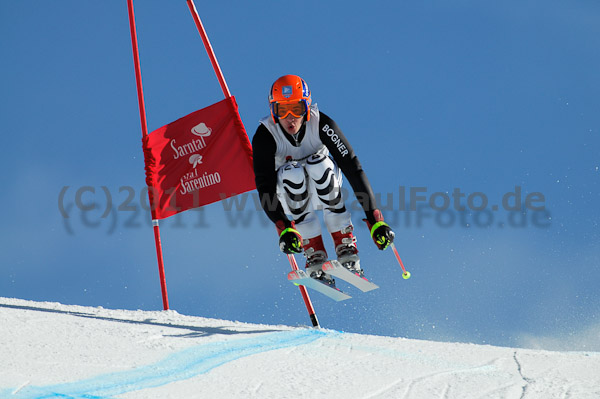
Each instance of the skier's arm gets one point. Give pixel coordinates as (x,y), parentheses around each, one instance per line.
(263,148)
(343,155)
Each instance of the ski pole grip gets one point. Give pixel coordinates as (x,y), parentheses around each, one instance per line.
(376,226)
(288,230)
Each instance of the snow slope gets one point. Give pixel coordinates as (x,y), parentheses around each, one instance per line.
(49,350)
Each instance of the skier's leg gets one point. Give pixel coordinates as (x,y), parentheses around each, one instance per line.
(326,184)
(295,196)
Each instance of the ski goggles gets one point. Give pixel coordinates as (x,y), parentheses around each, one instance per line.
(297,109)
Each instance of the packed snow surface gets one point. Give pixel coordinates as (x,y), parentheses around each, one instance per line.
(50,350)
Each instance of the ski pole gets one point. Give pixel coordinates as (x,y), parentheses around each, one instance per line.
(405,274)
(307,302)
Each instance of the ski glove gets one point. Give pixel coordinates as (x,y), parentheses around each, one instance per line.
(290,241)
(381,233)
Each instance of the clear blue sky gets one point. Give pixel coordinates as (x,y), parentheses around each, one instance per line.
(478,96)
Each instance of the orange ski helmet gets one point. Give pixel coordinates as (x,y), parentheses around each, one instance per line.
(289,90)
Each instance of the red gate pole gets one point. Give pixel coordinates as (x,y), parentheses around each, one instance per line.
(140,94)
(227,93)
(209,49)
(303,291)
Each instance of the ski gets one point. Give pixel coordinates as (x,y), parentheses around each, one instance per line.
(299,277)
(335,268)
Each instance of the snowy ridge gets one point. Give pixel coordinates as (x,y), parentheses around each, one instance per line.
(51,350)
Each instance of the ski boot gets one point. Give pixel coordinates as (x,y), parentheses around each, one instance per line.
(346,251)
(315,253)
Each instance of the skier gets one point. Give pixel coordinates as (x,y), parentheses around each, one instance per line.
(296,175)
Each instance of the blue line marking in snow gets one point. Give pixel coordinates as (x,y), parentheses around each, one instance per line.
(178,366)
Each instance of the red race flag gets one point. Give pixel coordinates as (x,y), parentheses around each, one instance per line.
(199,159)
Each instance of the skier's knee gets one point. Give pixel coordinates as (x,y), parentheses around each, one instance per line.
(291,179)
(319,166)
(292,174)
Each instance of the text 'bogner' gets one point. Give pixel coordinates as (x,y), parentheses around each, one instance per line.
(336,140)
